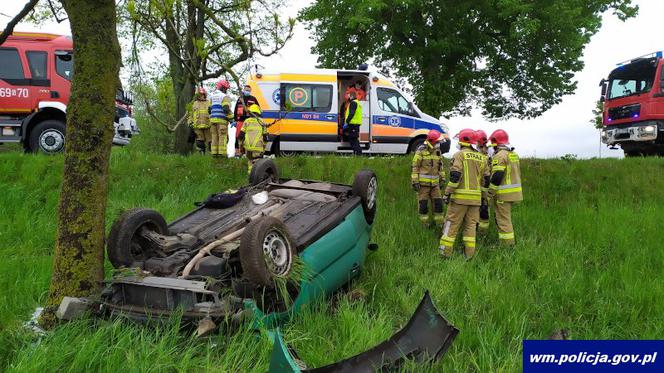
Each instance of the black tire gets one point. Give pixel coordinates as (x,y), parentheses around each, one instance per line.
(263,170)
(365,186)
(47,137)
(415,144)
(259,266)
(123,247)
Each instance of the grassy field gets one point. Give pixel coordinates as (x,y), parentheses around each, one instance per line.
(589,259)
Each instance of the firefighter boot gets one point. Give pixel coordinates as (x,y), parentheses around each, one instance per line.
(200,145)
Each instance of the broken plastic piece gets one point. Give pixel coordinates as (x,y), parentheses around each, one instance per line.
(72,308)
(426,337)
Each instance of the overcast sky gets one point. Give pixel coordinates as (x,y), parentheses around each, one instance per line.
(564,129)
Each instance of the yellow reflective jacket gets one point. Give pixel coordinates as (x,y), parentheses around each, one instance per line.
(427,166)
(472,167)
(357,116)
(254,131)
(200,118)
(509,189)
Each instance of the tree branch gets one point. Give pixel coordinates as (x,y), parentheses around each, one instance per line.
(12,23)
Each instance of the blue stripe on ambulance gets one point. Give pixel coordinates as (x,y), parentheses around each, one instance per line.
(324,117)
(404,122)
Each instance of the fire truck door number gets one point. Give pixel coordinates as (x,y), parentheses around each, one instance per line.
(14,92)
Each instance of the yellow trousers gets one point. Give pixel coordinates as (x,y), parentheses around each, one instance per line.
(458,215)
(219,131)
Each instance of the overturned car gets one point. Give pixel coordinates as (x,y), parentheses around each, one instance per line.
(264,251)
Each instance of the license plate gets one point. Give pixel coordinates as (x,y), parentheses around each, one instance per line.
(7,132)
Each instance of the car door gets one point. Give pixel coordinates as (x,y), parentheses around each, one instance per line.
(40,84)
(393,109)
(14,92)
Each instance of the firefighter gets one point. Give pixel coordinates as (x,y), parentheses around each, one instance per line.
(426,177)
(464,195)
(482,147)
(240,113)
(253,136)
(200,120)
(352,123)
(505,187)
(220,116)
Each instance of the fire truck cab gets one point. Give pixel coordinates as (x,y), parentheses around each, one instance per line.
(633,114)
(35,83)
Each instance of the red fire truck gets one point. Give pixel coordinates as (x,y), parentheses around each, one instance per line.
(35,82)
(633,114)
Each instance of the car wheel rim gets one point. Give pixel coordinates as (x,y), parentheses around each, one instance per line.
(371,193)
(277,252)
(51,140)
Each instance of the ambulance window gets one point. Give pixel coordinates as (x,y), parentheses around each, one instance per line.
(308,97)
(64,64)
(392,101)
(10,64)
(37,63)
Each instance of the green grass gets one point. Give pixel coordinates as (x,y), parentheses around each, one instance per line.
(589,259)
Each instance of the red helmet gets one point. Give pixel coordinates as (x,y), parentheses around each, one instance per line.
(467,136)
(434,136)
(481,137)
(499,137)
(201,91)
(223,83)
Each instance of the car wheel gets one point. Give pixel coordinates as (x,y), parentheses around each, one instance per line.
(415,144)
(365,186)
(125,247)
(266,251)
(264,169)
(48,137)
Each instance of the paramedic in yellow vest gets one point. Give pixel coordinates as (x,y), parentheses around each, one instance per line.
(426,177)
(352,123)
(483,148)
(200,120)
(464,195)
(220,116)
(253,136)
(505,188)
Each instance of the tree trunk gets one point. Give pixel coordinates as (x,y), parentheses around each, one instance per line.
(78,267)
(183,96)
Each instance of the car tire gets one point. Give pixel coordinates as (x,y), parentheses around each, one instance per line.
(47,137)
(123,246)
(266,251)
(365,186)
(415,144)
(264,169)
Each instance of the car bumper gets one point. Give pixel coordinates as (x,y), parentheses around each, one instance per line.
(638,132)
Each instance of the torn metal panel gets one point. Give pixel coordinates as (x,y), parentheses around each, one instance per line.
(426,337)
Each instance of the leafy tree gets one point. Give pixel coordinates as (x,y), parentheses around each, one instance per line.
(511,58)
(205,39)
(597,115)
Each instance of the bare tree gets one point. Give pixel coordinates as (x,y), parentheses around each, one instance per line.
(205,39)
(14,21)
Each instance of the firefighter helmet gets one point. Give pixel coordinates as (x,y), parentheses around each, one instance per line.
(499,137)
(434,136)
(223,84)
(255,109)
(466,137)
(481,137)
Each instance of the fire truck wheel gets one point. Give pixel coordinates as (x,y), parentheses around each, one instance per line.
(48,137)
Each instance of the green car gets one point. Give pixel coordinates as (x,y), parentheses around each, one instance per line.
(264,251)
